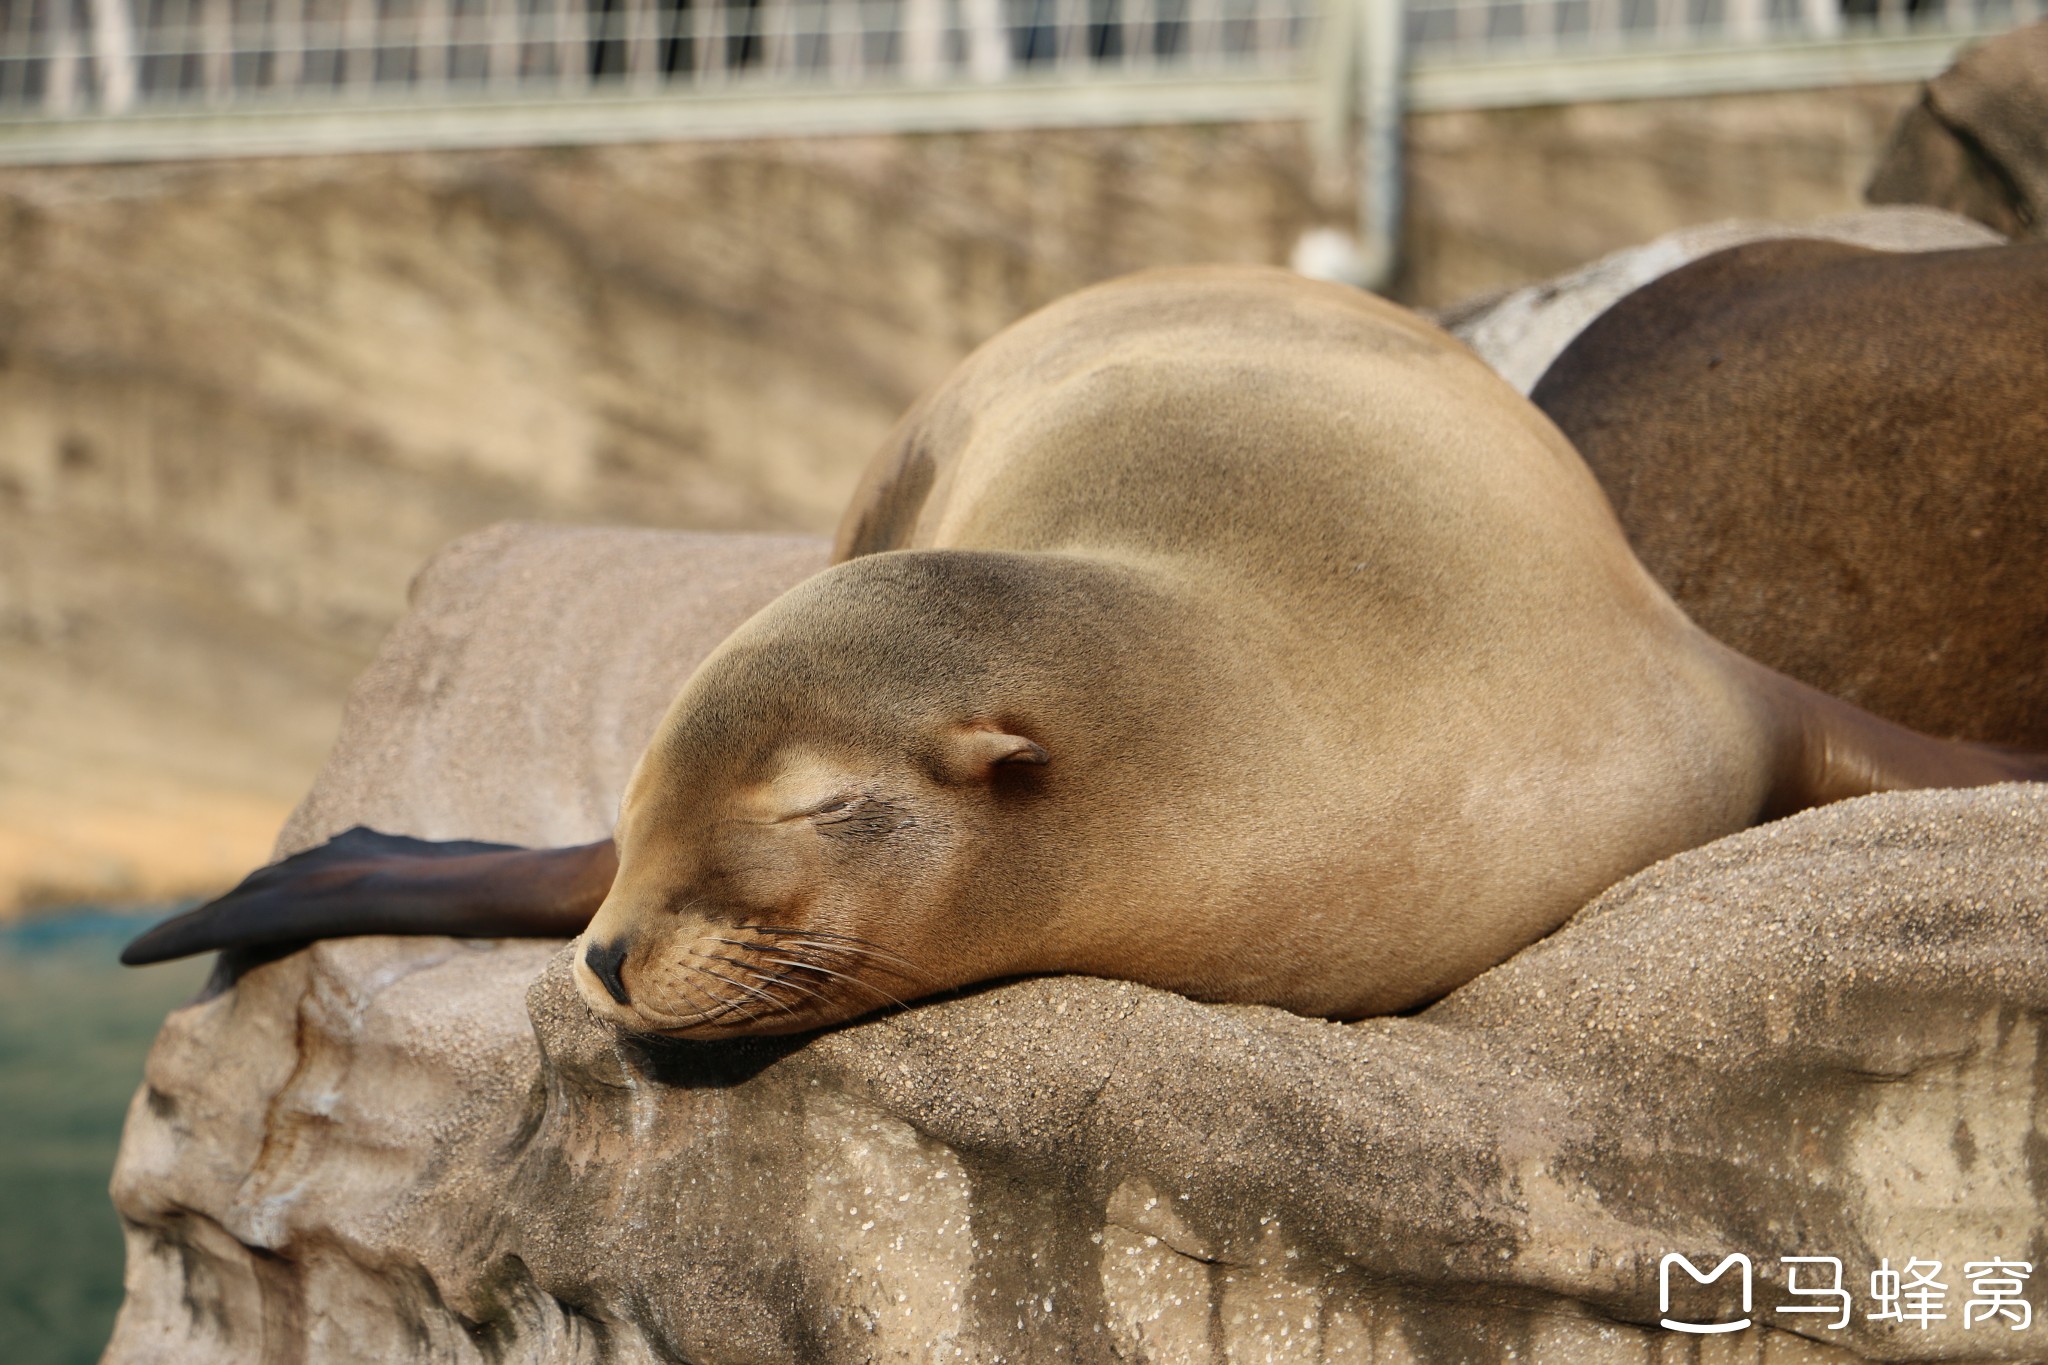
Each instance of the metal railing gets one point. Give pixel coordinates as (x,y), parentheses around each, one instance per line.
(67,56)
(87,78)
(1476,28)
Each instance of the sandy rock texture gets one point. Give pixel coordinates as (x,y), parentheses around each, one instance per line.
(1821,1038)
(240,402)
(1974,142)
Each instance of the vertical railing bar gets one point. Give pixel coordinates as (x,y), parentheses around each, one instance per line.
(214,38)
(433,65)
(924,38)
(113,54)
(572,45)
(1603,23)
(838,48)
(1468,25)
(14,60)
(642,20)
(358,36)
(749,44)
(1821,18)
(18,28)
(1671,21)
(501,35)
(61,55)
(160,67)
(768,24)
(988,43)
(288,45)
(707,55)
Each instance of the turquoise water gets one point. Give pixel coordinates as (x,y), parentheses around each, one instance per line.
(74,1028)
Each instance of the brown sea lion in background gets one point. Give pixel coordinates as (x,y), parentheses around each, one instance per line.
(1215,629)
(1836,460)
(1977,140)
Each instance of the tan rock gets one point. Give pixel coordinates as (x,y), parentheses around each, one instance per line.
(1822,1037)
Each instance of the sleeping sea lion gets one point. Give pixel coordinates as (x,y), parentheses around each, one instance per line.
(1216,629)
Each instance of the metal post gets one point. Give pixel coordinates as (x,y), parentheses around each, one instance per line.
(988,41)
(1746,21)
(572,45)
(1381,71)
(216,62)
(924,38)
(359,46)
(643,44)
(502,46)
(113,54)
(60,67)
(288,44)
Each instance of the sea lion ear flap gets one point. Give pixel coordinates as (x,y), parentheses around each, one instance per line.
(974,755)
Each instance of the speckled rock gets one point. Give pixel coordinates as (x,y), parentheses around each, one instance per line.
(1521,331)
(1818,1038)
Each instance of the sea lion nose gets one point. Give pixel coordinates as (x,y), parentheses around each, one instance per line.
(605,959)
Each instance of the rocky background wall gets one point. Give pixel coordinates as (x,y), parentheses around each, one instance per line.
(240,402)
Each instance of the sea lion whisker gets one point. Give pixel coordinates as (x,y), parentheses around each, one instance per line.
(851,943)
(751,990)
(720,1008)
(885,962)
(813,931)
(768,979)
(888,962)
(719,1002)
(768,982)
(849,980)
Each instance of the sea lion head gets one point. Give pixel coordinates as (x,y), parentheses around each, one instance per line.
(839,810)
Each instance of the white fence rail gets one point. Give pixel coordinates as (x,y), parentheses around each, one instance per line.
(81,79)
(69,56)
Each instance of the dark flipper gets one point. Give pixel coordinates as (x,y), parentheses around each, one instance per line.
(364,882)
(1830,750)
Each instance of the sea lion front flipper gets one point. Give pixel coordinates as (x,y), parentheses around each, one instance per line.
(1830,750)
(366,882)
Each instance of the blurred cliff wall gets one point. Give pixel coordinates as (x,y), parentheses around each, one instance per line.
(241,401)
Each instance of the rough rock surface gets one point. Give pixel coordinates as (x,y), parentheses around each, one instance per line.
(1822,1037)
(1520,332)
(1974,143)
